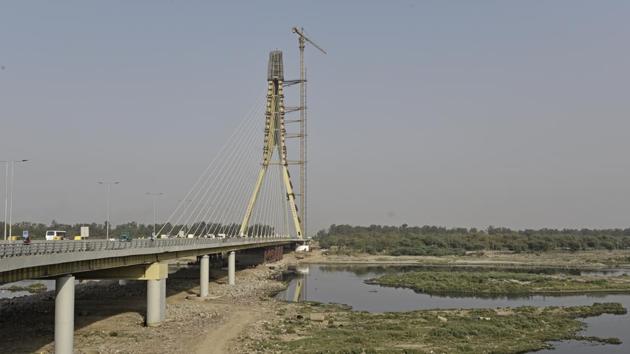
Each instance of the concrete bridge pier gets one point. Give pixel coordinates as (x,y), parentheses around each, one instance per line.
(204,275)
(162,299)
(64,314)
(155,276)
(232,268)
(154,303)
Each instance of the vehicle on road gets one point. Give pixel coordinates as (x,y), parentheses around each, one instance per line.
(125,236)
(55,235)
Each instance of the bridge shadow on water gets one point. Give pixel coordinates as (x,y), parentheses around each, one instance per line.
(27,323)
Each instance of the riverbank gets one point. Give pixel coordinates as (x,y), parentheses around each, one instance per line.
(582,260)
(239,319)
(502,283)
(305,326)
(109,317)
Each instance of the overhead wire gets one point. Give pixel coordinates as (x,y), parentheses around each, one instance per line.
(212,179)
(178,209)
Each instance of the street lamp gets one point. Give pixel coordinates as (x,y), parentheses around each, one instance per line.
(109,187)
(6,196)
(8,201)
(154,195)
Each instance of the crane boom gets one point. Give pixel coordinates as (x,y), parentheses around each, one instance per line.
(301,34)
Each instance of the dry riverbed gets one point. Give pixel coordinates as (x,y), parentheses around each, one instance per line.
(109,317)
(558,259)
(245,319)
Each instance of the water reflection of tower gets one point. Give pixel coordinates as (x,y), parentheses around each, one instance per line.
(304,297)
(300,291)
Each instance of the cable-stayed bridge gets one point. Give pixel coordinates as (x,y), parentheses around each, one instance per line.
(244,201)
(246,191)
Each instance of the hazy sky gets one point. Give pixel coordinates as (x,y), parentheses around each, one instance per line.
(455,113)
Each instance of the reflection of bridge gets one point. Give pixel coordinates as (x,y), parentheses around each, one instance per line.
(218,215)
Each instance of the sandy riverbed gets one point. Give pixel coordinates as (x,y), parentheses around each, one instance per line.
(109,317)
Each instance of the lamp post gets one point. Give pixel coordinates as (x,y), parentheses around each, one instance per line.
(109,187)
(154,195)
(8,194)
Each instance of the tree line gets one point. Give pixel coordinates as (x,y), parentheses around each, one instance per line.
(37,231)
(437,241)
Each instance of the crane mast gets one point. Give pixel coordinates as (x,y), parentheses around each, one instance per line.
(302,39)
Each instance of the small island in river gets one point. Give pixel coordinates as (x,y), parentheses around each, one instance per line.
(506,283)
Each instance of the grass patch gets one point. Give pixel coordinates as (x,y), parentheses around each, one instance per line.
(513,330)
(34,288)
(501,283)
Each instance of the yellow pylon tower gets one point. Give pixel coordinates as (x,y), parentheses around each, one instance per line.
(275,133)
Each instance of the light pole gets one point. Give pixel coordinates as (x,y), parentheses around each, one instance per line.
(8,190)
(154,195)
(6,196)
(109,187)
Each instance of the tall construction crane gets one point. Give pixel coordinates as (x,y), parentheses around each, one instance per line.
(302,39)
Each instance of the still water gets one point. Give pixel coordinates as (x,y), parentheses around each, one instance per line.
(5,293)
(346,285)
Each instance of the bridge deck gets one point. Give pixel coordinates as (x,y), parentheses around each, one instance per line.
(53,258)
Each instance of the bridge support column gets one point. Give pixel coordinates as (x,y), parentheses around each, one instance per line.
(232,268)
(64,315)
(162,299)
(155,276)
(154,303)
(204,275)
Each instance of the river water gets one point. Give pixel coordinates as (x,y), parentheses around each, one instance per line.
(7,293)
(346,285)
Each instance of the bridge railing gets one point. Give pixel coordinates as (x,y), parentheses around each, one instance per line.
(17,249)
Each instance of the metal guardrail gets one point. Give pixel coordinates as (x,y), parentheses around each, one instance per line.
(35,248)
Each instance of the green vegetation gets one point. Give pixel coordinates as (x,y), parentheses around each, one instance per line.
(34,288)
(37,231)
(329,329)
(439,241)
(500,283)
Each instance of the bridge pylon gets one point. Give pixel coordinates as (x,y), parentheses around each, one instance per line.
(275,135)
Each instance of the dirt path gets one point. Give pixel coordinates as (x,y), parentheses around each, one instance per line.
(110,317)
(217,340)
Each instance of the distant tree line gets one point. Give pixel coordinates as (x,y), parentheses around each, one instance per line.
(437,241)
(37,231)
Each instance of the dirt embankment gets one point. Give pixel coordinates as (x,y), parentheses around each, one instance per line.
(109,317)
(594,260)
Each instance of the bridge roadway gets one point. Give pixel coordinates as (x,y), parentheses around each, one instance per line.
(143,259)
